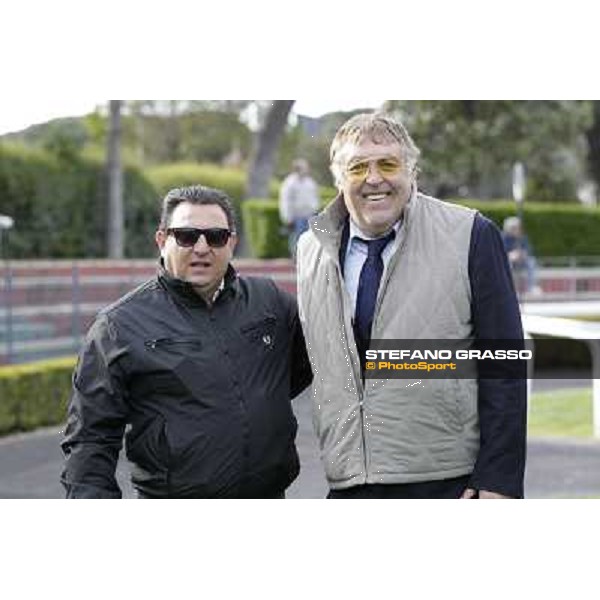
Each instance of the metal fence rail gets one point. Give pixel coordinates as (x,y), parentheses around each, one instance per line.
(47,306)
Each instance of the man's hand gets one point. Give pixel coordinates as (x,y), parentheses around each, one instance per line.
(470,493)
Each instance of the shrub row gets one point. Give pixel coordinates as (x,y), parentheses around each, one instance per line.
(166,177)
(267,237)
(58,202)
(264,230)
(35,394)
(553,229)
(59,207)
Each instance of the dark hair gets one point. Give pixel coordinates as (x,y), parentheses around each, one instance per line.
(196,194)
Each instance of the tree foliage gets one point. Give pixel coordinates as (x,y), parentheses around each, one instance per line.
(469,146)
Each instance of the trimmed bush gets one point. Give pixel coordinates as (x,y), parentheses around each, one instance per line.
(264,229)
(231,181)
(553,229)
(173,175)
(35,394)
(169,176)
(59,206)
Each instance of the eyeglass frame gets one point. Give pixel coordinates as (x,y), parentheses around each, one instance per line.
(368,162)
(200,232)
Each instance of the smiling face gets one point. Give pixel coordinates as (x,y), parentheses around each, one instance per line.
(376,183)
(201,265)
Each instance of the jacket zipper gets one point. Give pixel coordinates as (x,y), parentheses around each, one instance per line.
(169,342)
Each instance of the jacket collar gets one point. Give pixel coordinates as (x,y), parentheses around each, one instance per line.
(185,292)
(328,225)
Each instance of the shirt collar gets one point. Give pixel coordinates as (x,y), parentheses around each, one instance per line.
(218,290)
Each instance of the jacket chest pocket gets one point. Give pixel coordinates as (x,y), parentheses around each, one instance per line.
(261,334)
(171,352)
(178,367)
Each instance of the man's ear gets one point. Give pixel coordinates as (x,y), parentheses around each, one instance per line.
(160,237)
(233,241)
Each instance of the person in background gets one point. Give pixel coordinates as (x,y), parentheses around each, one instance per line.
(520,254)
(200,363)
(384,261)
(298,200)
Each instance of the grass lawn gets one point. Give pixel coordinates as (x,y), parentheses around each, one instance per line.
(561,413)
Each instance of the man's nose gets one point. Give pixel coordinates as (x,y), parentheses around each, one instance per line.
(373,174)
(201,246)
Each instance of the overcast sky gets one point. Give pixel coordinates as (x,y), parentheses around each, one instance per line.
(17,114)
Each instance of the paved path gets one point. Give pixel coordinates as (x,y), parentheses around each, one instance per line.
(30,464)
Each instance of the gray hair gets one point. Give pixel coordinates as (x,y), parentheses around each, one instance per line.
(378,127)
(196,194)
(510,223)
(300,163)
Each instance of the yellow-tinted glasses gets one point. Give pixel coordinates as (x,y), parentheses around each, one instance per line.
(387,167)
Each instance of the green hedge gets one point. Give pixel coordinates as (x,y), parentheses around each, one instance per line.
(59,208)
(264,232)
(34,395)
(58,203)
(264,229)
(553,229)
(169,176)
(231,181)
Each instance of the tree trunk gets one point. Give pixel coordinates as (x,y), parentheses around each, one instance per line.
(593,139)
(265,149)
(115,224)
(173,132)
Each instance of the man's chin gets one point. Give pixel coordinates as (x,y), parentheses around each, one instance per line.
(379,226)
(380,216)
(205,290)
(198,284)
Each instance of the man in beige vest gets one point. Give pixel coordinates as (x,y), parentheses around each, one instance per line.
(385,262)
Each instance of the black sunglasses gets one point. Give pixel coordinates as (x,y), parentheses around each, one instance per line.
(186,237)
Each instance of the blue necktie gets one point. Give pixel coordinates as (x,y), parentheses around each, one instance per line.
(368,285)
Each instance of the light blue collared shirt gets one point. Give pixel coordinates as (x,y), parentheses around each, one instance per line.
(356,254)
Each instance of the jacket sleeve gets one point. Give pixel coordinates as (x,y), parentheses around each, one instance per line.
(301,371)
(302,374)
(502,403)
(97,415)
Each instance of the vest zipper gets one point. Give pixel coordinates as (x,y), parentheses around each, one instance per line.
(358,382)
(394,259)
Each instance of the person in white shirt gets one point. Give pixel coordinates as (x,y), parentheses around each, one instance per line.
(298,200)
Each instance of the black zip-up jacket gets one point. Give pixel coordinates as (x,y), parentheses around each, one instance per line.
(206,392)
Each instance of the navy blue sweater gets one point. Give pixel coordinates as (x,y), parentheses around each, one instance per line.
(502,403)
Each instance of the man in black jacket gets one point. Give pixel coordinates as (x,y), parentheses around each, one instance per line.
(200,363)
